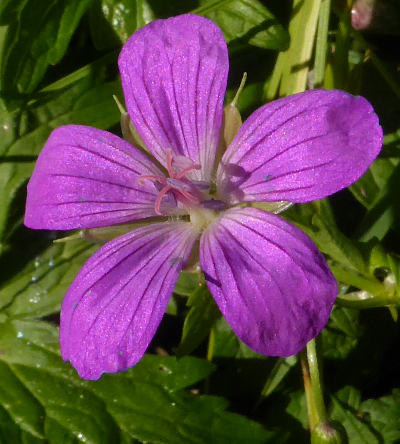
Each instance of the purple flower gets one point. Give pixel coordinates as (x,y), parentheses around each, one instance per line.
(269,280)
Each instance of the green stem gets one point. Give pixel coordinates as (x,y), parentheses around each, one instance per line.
(348,277)
(211,343)
(321,43)
(308,389)
(316,381)
(210,355)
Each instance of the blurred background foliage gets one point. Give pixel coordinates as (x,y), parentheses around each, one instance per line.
(199,383)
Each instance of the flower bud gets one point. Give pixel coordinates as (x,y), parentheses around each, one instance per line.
(328,433)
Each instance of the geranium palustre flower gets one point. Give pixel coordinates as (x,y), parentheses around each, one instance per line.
(269,280)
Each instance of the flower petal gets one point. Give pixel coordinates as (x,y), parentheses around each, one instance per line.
(269,280)
(301,148)
(115,304)
(174,75)
(86,178)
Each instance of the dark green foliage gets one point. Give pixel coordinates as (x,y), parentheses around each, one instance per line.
(58,66)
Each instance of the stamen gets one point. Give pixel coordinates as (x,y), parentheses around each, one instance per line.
(213,204)
(179,185)
(152,178)
(169,163)
(190,197)
(163,192)
(182,190)
(187,170)
(201,184)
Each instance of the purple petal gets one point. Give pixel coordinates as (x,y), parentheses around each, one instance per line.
(269,280)
(301,148)
(174,75)
(86,178)
(115,304)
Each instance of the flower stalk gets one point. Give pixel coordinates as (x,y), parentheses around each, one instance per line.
(313,386)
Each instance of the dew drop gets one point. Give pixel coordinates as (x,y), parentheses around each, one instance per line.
(37,262)
(20,334)
(51,263)
(34,278)
(35,299)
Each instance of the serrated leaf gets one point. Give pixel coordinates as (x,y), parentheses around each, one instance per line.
(198,322)
(345,409)
(383,210)
(376,191)
(39,288)
(384,416)
(317,220)
(146,402)
(37,37)
(246,20)
(341,335)
(368,188)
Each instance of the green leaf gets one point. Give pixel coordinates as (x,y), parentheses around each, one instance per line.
(40,287)
(383,210)
(345,409)
(10,10)
(246,20)
(121,17)
(46,398)
(317,220)
(341,335)
(293,65)
(228,345)
(297,407)
(37,37)
(198,322)
(277,375)
(384,415)
(376,190)
(187,284)
(368,188)
(81,98)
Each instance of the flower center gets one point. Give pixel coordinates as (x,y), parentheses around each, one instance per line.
(188,192)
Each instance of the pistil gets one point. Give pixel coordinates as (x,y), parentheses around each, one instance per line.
(184,190)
